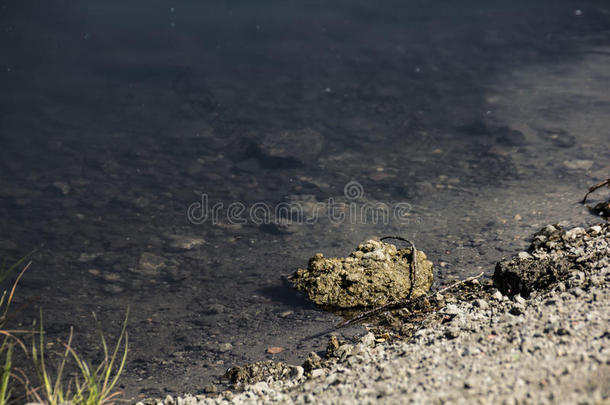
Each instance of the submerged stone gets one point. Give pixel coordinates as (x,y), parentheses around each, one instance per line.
(375,274)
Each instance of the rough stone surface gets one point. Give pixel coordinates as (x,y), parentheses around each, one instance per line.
(256,372)
(553,256)
(375,274)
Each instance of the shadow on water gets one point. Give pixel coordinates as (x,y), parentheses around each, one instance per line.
(481,121)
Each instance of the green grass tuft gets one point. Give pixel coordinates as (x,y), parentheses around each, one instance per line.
(94,385)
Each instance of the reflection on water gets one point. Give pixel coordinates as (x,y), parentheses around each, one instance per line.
(306,126)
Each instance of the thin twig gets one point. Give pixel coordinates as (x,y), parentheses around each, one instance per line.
(404,303)
(595,187)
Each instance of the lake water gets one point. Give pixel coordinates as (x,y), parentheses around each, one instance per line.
(180,158)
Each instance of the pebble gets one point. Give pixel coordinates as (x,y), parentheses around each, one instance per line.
(482,304)
(519,299)
(285,314)
(224,347)
(451,309)
(149,265)
(182,242)
(368,340)
(296,372)
(578,164)
(63,187)
(497,296)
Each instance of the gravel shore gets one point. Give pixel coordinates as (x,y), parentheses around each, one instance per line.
(553,347)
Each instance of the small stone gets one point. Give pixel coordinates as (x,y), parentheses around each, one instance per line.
(574,233)
(497,296)
(549,229)
(317,373)
(150,265)
(224,347)
(291,148)
(182,242)
(596,281)
(210,389)
(63,187)
(368,340)
(451,309)
(519,299)
(313,361)
(482,304)
(578,164)
(452,333)
(524,256)
(259,388)
(215,308)
(87,257)
(113,288)
(296,372)
(516,309)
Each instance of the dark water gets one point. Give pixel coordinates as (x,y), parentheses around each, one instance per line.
(315,124)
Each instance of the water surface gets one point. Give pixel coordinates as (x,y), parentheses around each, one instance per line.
(478,123)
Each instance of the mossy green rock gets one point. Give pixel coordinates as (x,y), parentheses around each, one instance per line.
(375,274)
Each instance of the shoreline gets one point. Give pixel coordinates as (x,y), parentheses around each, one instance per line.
(553,347)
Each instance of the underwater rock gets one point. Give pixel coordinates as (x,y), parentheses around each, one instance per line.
(298,146)
(150,265)
(375,274)
(184,242)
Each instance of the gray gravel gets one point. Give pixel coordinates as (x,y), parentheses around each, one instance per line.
(551,348)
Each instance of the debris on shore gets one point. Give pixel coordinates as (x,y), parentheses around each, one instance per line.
(374,274)
(537,334)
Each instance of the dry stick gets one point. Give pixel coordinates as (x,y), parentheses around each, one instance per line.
(403,303)
(595,187)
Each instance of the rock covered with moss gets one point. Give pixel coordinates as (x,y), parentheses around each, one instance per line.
(374,274)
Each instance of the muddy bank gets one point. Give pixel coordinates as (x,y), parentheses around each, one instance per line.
(553,347)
